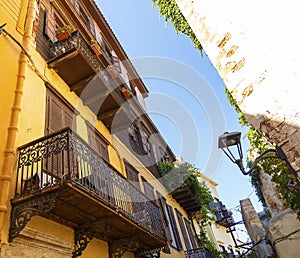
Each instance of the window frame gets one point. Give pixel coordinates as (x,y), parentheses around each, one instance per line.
(97,138)
(184,232)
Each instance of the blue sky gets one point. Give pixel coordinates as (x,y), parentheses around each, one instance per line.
(144,36)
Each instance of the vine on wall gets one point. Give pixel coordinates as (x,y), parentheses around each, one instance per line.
(276,168)
(187,175)
(171,12)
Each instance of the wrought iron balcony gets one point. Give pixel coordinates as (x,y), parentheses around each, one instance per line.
(74,60)
(223,217)
(198,253)
(87,75)
(61,178)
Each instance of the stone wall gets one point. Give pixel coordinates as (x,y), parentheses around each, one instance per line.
(254,47)
(255,230)
(36,244)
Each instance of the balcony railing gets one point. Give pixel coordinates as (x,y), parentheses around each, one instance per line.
(75,41)
(86,75)
(62,159)
(222,216)
(198,253)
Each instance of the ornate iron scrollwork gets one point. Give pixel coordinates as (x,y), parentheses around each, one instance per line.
(153,253)
(84,234)
(23,212)
(119,247)
(82,238)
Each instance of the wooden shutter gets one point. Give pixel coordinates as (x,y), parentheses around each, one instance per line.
(174,227)
(132,175)
(50,26)
(98,143)
(191,233)
(116,63)
(149,190)
(145,140)
(59,114)
(42,41)
(183,231)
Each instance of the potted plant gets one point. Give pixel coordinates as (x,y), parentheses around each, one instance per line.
(96,47)
(127,93)
(112,72)
(64,32)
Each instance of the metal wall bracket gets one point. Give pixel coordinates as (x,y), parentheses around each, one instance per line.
(84,234)
(22,212)
(153,253)
(119,247)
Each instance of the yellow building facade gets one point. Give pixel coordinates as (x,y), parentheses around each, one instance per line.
(79,174)
(217,231)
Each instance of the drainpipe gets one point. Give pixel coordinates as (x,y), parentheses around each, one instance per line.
(10,148)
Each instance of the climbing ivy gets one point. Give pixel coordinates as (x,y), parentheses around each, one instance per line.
(187,175)
(276,168)
(171,12)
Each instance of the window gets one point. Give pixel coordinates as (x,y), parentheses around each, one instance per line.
(145,137)
(230,249)
(116,62)
(183,230)
(45,32)
(134,133)
(97,142)
(173,228)
(164,157)
(222,248)
(59,113)
(191,233)
(132,175)
(148,189)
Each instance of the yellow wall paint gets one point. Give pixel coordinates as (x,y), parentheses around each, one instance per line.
(52,228)
(96,248)
(128,255)
(32,124)
(115,160)
(81,128)
(33,106)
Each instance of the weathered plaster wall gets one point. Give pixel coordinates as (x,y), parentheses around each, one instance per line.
(256,53)
(255,229)
(284,231)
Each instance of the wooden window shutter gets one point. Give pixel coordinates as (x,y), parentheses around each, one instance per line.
(54,114)
(116,63)
(132,175)
(183,231)
(145,142)
(149,190)
(191,234)
(104,151)
(174,227)
(97,143)
(50,26)
(59,114)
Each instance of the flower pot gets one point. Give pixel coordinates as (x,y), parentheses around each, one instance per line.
(64,35)
(126,93)
(113,74)
(96,49)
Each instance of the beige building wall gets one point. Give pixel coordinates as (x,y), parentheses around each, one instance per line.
(254,47)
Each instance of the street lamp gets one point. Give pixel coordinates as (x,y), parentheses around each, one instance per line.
(232,139)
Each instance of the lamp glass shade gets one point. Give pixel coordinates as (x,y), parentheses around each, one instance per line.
(229,139)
